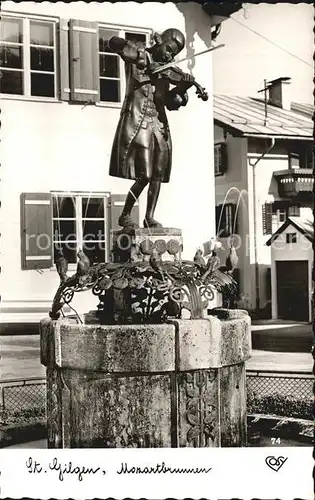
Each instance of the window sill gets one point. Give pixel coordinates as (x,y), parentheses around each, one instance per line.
(219,174)
(115,105)
(71,268)
(9,97)
(29,98)
(225,235)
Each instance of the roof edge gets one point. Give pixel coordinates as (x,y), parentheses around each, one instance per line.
(259,135)
(287,223)
(228,126)
(225,9)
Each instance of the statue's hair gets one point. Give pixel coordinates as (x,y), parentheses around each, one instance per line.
(157,38)
(176,35)
(170,34)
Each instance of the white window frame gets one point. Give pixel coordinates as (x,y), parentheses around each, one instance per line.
(121,33)
(276,218)
(282,213)
(26,19)
(78,195)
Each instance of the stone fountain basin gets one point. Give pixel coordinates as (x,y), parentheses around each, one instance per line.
(178,344)
(176,384)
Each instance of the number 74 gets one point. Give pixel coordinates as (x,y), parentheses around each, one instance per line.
(275,440)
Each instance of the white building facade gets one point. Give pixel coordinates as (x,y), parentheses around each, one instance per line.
(61,99)
(263,175)
(291,269)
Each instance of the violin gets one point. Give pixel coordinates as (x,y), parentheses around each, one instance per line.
(175,75)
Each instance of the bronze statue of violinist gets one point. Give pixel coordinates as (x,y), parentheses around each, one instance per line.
(142,145)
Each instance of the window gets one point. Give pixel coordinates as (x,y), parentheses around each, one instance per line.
(28,57)
(226,223)
(294,211)
(79,221)
(220,158)
(70,221)
(72,63)
(309,158)
(294,160)
(291,237)
(111,66)
(281,215)
(275,214)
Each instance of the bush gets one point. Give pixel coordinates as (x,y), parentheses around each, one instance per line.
(277,404)
(8,417)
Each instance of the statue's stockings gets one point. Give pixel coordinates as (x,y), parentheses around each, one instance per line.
(136,190)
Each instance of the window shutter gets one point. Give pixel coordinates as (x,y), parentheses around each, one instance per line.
(224,158)
(267,218)
(36,230)
(217,217)
(116,205)
(84,61)
(64,80)
(220,158)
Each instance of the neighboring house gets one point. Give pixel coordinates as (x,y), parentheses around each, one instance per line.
(62,92)
(291,269)
(263,174)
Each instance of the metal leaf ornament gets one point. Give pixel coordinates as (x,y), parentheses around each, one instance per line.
(105,283)
(165,287)
(135,282)
(120,283)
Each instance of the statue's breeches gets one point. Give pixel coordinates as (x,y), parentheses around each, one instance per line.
(151,151)
(146,155)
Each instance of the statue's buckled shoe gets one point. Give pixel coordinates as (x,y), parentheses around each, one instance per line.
(151,223)
(126,221)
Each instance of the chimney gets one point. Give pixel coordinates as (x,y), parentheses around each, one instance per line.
(279,92)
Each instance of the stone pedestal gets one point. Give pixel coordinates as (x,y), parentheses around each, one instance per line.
(138,244)
(180,384)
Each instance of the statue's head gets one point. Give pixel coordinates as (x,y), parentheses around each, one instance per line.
(167,45)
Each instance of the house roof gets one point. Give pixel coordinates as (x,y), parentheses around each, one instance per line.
(305,109)
(244,116)
(302,224)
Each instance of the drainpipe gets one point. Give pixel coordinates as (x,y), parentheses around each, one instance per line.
(253,165)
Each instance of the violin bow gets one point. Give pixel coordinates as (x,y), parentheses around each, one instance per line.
(169,65)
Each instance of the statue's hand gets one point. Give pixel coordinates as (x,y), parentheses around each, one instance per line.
(152,66)
(187,81)
(176,99)
(141,58)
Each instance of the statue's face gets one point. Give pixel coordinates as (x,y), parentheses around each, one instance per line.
(166,51)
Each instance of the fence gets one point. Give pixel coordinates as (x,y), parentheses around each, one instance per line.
(22,396)
(287,393)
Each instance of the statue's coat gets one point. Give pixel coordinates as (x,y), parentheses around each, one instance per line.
(138,92)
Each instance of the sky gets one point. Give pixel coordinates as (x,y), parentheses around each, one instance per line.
(247,59)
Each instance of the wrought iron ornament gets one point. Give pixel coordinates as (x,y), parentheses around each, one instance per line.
(147,291)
